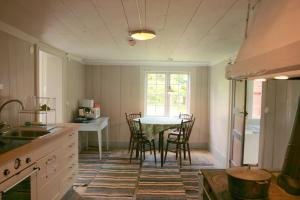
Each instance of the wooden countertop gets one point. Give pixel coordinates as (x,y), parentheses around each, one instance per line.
(38,142)
(217,180)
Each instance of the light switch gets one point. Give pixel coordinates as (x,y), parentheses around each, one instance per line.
(1,86)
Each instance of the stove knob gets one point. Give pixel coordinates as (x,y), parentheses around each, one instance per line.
(6,172)
(17,163)
(28,160)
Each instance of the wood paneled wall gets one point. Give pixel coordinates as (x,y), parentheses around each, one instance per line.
(280,105)
(119,89)
(16,73)
(219,112)
(74,88)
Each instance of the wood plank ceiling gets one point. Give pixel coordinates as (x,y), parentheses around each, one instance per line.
(187,30)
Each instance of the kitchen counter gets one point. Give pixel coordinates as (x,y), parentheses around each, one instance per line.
(50,159)
(37,142)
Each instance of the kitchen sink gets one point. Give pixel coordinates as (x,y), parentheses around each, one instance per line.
(14,138)
(22,135)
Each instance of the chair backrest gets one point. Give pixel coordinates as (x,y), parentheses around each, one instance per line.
(185,116)
(186,129)
(136,126)
(130,117)
(133,115)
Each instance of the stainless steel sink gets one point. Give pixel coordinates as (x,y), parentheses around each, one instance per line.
(18,134)
(15,138)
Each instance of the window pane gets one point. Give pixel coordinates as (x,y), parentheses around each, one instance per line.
(179,84)
(155,97)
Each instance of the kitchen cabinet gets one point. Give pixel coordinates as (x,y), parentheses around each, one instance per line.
(58,168)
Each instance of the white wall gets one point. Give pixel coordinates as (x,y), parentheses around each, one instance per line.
(219,112)
(119,89)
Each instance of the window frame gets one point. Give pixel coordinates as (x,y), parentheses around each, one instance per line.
(167,97)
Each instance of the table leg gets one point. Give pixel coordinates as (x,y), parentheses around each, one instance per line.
(161,141)
(87,140)
(99,132)
(107,139)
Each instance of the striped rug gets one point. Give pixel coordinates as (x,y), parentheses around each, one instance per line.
(114,178)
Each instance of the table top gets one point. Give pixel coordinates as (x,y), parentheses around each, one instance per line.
(153,125)
(160,120)
(217,180)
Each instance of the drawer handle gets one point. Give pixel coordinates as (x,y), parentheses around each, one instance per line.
(71,134)
(50,160)
(72,155)
(71,145)
(72,166)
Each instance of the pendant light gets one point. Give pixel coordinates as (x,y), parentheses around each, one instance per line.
(143,35)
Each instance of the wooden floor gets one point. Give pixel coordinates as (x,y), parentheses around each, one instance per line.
(200,159)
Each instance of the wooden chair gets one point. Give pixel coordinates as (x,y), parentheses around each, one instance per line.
(181,140)
(139,141)
(131,116)
(184,116)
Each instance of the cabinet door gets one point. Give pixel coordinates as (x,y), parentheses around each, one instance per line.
(48,189)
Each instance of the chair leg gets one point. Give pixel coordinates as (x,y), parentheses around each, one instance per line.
(184,150)
(131,151)
(166,152)
(130,143)
(159,146)
(141,154)
(179,155)
(154,150)
(137,150)
(176,151)
(150,148)
(144,151)
(189,152)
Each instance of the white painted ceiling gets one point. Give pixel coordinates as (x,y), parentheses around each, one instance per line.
(187,30)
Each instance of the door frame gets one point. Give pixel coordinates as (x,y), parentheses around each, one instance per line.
(231,122)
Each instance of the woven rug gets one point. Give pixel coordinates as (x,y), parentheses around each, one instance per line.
(114,177)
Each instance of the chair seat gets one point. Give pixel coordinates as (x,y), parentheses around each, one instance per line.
(176,140)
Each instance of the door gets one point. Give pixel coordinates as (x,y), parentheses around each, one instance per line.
(238,122)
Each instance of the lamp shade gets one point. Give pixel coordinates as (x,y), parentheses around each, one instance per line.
(143,35)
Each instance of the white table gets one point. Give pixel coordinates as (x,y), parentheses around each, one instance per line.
(100,126)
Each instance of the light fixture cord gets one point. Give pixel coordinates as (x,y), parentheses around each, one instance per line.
(124,11)
(145,26)
(139,13)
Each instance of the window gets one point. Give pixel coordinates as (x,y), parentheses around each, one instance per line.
(167,94)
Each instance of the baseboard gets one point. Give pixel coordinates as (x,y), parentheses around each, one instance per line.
(218,156)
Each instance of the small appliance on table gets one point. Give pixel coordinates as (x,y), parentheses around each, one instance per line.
(88,109)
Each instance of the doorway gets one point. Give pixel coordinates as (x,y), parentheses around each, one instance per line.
(246,117)
(252,123)
(51,82)
(238,123)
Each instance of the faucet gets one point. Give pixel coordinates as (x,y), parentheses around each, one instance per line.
(4,124)
(10,101)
